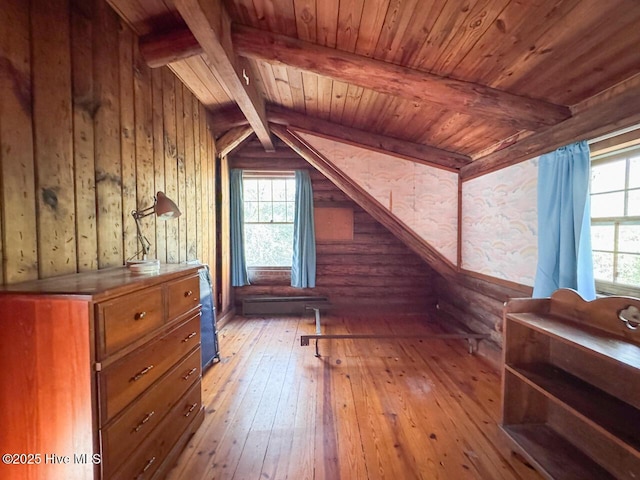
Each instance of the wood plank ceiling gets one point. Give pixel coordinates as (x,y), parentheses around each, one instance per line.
(471,84)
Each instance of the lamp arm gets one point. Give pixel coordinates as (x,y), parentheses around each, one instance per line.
(144,242)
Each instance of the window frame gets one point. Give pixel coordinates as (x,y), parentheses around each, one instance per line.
(626,153)
(267,274)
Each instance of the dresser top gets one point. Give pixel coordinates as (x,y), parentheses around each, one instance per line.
(100,283)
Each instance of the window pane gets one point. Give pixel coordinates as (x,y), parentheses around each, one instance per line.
(291,211)
(602,237)
(279,190)
(629,238)
(608,176)
(250,190)
(264,190)
(268,245)
(629,269)
(279,212)
(265,212)
(291,190)
(607,205)
(250,211)
(633,207)
(634,172)
(603,266)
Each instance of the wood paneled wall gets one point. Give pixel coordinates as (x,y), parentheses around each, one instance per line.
(89,133)
(373,271)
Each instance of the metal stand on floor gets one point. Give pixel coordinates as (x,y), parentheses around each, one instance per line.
(471,338)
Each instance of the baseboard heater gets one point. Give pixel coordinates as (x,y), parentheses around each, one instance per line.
(270,305)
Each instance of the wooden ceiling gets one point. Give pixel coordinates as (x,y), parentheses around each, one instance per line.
(471,85)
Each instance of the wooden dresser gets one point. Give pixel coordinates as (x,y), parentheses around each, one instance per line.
(571,385)
(100,374)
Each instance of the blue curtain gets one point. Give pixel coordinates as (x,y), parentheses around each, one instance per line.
(303,265)
(239,275)
(564,222)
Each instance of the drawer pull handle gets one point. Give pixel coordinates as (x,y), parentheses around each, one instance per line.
(143,372)
(189,337)
(144,420)
(190,372)
(148,465)
(188,293)
(191,409)
(140,315)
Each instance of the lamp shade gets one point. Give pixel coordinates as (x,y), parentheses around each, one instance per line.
(165,207)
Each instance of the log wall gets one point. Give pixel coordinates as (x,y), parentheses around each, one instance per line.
(372,271)
(473,303)
(89,133)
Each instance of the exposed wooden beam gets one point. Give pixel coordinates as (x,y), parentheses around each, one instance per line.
(366,201)
(159,50)
(210,24)
(222,120)
(612,110)
(232,140)
(520,112)
(411,151)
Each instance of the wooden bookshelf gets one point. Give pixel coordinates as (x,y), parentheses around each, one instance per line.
(571,385)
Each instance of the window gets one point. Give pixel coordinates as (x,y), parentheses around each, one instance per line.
(269,208)
(615,219)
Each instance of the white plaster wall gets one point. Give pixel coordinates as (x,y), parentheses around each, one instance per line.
(500,223)
(424,198)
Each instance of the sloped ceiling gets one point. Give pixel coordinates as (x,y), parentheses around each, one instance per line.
(475,85)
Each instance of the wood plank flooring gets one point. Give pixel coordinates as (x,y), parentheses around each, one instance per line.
(367,409)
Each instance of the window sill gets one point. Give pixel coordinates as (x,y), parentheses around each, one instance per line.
(269,275)
(607,289)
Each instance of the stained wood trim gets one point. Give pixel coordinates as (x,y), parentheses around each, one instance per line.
(232,140)
(520,112)
(612,110)
(366,201)
(210,24)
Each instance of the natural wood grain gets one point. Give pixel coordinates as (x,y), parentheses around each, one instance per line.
(367,409)
(161,49)
(211,27)
(19,237)
(170,156)
(189,185)
(102,124)
(181,198)
(83,135)
(411,151)
(128,143)
(158,159)
(232,140)
(53,146)
(520,112)
(144,147)
(603,114)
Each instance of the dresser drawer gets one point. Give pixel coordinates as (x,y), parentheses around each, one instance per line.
(183,295)
(127,318)
(123,381)
(145,460)
(128,430)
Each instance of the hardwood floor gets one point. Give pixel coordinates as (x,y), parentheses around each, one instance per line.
(367,409)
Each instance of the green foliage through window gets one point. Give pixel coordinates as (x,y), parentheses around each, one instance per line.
(269,208)
(615,217)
